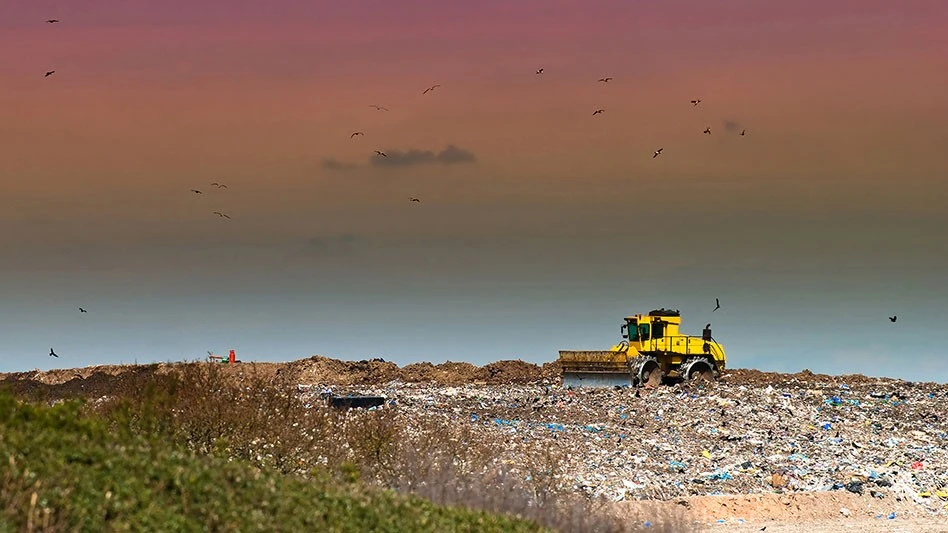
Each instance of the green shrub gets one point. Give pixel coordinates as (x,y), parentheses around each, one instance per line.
(64,469)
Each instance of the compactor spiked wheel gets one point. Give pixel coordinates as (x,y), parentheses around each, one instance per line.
(699,370)
(701,373)
(651,374)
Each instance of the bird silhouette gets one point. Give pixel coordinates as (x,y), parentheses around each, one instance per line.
(695,102)
(708,130)
(49,73)
(219,185)
(741,133)
(893,318)
(81,310)
(598,111)
(433,87)
(52,21)
(717,305)
(378,107)
(356,133)
(539,71)
(657,153)
(605,80)
(52,353)
(381,153)
(195,191)
(222,215)
(413,199)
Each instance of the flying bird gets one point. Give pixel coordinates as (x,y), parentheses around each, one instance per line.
(356,133)
(52,353)
(50,73)
(222,215)
(741,133)
(604,80)
(433,87)
(539,71)
(413,199)
(598,111)
(381,153)
(81,310)
(378,107)
(195,191)
(708,130)
(657,153)
(52,21)
(219,185)
(695,102)
(893,318)
(717,305)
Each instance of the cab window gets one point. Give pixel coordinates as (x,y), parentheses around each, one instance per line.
(644,332)
(633,331)
(659,330)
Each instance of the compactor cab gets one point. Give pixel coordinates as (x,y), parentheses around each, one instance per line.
(652,349)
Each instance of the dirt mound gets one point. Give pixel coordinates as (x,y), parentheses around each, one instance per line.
(508,372)
(448,373)
(319,369)
(551,371)
(323,370)
(60,376)
(752,377)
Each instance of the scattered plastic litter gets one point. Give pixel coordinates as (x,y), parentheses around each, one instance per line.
(882,437)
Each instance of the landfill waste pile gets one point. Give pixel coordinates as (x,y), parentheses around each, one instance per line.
(751,432)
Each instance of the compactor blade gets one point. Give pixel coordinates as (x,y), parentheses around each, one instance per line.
(594,368)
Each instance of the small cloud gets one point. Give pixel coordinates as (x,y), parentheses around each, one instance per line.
(731,126)
(452,154)
(339,244)
(334,164)
(449,156)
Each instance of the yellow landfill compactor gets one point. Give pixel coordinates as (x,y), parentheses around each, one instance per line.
(652,349)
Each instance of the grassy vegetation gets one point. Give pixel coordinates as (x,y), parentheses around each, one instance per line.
(65,470)
(191,447)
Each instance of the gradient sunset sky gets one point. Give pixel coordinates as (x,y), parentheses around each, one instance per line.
(540,225)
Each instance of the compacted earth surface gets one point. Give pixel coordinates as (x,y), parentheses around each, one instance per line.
(789,452)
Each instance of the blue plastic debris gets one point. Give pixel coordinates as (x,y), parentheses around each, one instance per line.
(502,422)
(720,475)
(892,515)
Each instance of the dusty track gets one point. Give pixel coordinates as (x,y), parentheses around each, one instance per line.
(802,512)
